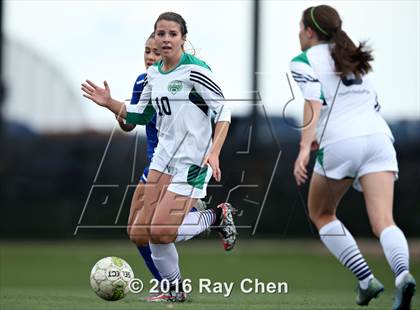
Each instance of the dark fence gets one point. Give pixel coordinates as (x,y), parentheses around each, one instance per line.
(54,186)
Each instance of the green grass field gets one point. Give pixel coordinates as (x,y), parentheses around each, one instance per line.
(56,275)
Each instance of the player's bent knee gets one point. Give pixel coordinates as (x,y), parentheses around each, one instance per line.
(162,235)
(313,215)
(377,229)
(162,239)
(321,217)
(139,237)
(380,223)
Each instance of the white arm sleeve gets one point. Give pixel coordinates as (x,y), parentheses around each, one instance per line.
(305,77)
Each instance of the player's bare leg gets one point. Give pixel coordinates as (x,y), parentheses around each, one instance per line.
(137,234)
(324,196)
(153,191)
(137,203)
(168,216)
(323,199)
(378,190)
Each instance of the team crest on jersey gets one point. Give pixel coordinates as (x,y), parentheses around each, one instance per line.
(174,86)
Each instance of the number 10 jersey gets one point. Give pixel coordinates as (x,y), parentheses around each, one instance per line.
(184,99)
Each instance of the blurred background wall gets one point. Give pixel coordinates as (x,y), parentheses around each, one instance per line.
(67,171)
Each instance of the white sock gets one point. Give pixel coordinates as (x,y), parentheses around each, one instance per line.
(165,258)
(341,243)
(195,223)
(395,247)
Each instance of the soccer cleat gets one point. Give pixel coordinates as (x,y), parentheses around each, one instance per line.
(364,296)
(171,296)
(154,293)
(404,292)
(227,229)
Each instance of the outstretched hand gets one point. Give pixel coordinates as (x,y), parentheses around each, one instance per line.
(100,96)
(213,161)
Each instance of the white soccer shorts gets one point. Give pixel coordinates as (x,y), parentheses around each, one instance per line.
(356,157)
(187,180)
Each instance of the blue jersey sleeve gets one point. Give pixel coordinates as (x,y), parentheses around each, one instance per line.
(151,130)
(152,138)
(137,89)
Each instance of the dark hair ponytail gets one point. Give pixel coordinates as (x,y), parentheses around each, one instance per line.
(348,58)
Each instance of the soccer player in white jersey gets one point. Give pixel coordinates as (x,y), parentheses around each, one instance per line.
(151,55)
(182,91)
(341,116)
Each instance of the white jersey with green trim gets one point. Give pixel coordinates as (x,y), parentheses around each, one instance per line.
(184,100)
(350,107)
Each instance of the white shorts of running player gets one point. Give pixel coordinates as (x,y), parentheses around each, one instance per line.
(356,157)
(187,180)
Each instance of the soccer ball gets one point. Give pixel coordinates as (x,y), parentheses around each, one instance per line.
(110,277)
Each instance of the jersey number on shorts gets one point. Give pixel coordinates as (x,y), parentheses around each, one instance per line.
(163,106)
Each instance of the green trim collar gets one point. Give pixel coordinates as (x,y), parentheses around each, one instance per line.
(160,64)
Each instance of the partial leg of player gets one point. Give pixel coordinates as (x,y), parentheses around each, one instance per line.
(378,189)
